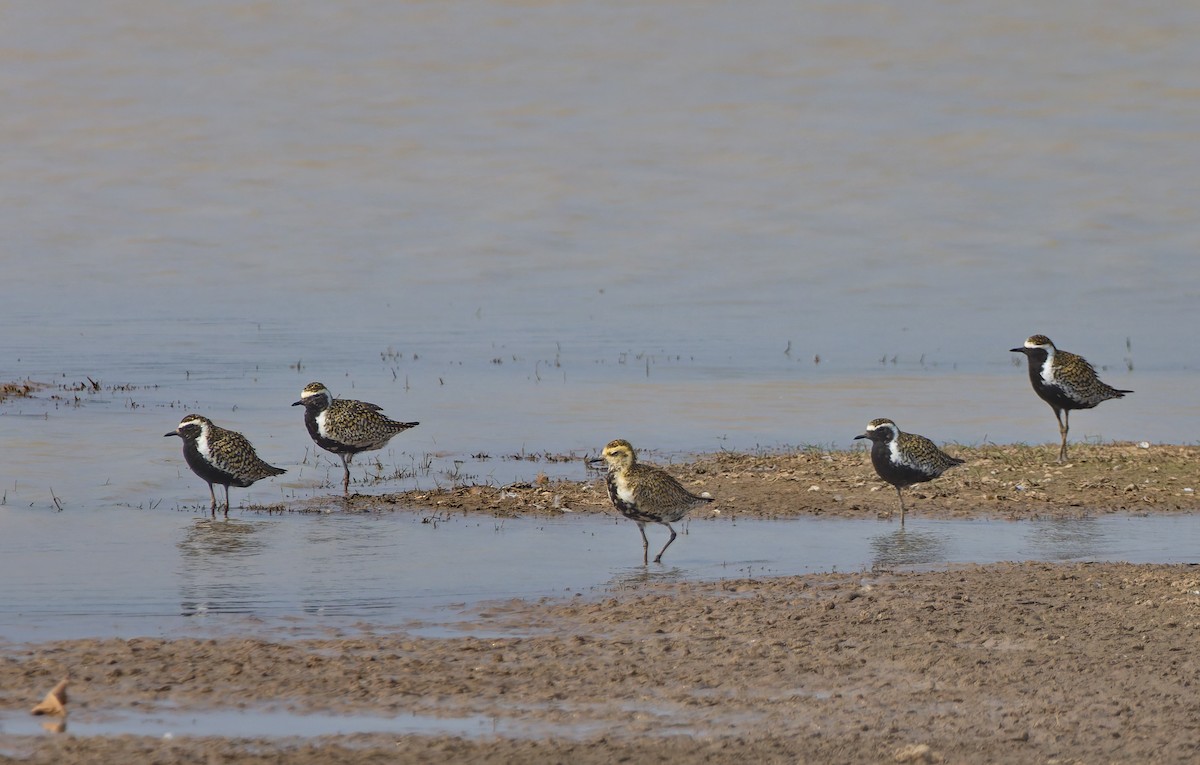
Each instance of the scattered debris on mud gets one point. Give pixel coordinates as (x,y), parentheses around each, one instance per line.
(1015,481)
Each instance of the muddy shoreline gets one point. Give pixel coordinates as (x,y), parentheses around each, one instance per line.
(1012,481)
(1001,663)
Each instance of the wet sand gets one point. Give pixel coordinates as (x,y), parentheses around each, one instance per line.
(1014,662)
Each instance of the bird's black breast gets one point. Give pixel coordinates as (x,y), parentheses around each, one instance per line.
(1056,396)
(328,444)
(205,469)
(1051,394)
(896,474)
(310,422)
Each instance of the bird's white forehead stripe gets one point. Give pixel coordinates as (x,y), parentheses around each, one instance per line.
(1030,344)
(191,421)
(311,393)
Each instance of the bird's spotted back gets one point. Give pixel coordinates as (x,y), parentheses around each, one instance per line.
(360,424)
(1078,379)
(232,452)
(922,454)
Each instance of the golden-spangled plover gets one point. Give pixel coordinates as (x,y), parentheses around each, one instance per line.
(345,426)
(220,456)
(1065,381)
(903,459)
(643,493)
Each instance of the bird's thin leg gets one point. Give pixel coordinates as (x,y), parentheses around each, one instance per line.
(1063,427)
(645,543)
(213,494)
(346,479)
(226,500)
(900,494)
(658,558)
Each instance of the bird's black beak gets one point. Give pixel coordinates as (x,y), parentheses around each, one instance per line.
(1018,350)
(172,433)
(861,435)
(298,403)
(594,462)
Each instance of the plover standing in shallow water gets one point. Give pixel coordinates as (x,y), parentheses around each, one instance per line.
(345,426)
(220,456)
(903,459)
(643,493)
(1065,381)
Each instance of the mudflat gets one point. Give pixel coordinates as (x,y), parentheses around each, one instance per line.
(1010,481)
(1001,663)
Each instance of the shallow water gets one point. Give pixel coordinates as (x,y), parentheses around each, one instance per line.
(170,723)
(314,575)
(535,228)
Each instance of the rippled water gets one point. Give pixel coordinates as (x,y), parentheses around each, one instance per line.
(536,227)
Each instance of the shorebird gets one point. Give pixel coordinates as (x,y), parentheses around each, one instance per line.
(903,459)
(1065,381)
(345,426)
(220,456)
(643,493)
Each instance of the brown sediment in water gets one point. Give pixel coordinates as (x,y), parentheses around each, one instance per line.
(21,389)
(999,663)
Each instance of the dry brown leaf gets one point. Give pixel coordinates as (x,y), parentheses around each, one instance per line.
(55,702)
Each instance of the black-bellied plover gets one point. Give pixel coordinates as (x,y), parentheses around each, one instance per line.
(1065,381)
(903,459)
(345,426)
(643,493)
(220,456)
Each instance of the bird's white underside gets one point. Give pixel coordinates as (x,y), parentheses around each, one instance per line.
(624,493)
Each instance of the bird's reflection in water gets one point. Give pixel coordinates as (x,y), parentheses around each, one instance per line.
(208,538)
(905,547)
(639,576)
(216,574)
(1069,538)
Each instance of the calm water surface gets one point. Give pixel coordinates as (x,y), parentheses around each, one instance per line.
(537,227)
(70,574)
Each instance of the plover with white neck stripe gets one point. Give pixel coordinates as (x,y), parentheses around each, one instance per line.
(1065,381)
(903,459)
(220,456)
(345,426)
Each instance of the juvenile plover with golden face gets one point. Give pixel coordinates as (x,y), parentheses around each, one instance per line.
(903,459)
(345,426)
(1065,381)
(643,493)
(220,456)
